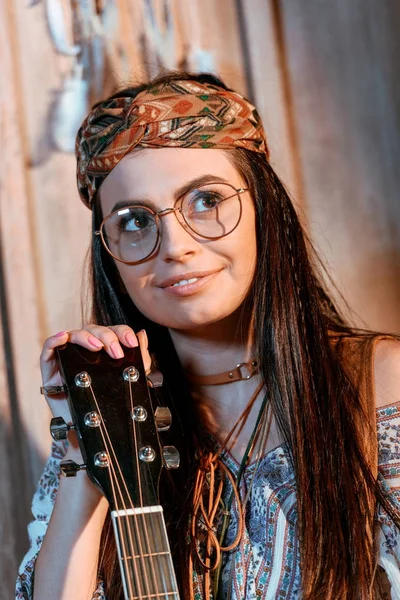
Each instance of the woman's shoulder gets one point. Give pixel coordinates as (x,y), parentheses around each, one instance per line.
(373,362)
(386,371)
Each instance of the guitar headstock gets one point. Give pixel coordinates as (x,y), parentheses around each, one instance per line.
(116,422)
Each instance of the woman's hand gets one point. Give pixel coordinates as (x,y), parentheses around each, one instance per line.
(94,338)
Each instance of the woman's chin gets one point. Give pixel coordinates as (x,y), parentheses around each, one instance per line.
(199,321)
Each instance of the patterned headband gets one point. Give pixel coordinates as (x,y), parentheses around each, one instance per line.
(180,114)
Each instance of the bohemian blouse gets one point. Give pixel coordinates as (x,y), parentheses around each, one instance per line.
(265,565)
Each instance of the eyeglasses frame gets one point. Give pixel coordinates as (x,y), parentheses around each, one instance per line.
(165,211)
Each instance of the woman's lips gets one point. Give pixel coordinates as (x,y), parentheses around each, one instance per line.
(189,288)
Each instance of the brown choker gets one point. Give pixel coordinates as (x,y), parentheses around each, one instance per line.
(243,370)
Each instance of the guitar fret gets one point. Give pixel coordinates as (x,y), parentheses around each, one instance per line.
(139,556)
(161,595)
(144,554)
(136,511)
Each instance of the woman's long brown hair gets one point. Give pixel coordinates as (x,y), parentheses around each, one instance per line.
(312,396)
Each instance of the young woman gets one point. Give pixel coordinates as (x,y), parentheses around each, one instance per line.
(198,255)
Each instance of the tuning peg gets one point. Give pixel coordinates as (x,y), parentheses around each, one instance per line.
(69,468)
(155,379)
(171,457)
(59,428)
(163,418)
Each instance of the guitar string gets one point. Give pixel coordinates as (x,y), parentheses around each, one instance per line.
(162,533)
(118,523)
(150,555)
(122,533)
(146,536)
(103,430)
(135,436)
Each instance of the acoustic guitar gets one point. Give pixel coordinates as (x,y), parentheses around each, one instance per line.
(118,417)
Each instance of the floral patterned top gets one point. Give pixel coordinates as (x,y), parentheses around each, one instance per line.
(265,565)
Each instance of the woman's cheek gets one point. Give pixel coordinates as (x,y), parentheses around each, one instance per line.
(134,285)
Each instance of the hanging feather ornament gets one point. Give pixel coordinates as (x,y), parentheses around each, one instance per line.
(57,28)
(160,39)
(89,30)
(70,109)
(198,59)
(94,23)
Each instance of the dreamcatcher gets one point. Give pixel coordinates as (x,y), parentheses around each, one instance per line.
(82,30)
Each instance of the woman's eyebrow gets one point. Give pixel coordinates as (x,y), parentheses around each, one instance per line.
(196,182)
(181,191)
(134,202)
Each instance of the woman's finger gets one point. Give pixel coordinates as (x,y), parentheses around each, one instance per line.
(126,335)
(94,338)
(52,342)
(115,337)
(110,338)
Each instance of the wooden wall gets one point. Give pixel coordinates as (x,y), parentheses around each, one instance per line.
(325,78)
(343,65)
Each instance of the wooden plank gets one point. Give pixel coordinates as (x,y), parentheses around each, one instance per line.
(213,27)
(20,459)
(343,65)
(15,488)
(129,69)
(199,24)
(262,38)
(8,554)
(20,277)
(59,222)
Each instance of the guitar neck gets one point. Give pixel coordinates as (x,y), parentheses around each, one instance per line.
(144,554)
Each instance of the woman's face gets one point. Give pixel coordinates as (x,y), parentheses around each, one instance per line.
(156,175)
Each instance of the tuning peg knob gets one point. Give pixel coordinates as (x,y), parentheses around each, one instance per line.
(155,379)
(69,468)
(163,418)
(171,457)
(59,429)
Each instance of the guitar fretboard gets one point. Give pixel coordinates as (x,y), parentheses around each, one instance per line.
(144,554)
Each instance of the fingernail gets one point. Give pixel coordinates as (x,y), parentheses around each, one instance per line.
(61,333)
(95,342)
(131,339)
(116,350)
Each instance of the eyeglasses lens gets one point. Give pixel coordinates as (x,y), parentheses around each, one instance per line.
(212,211)
(131,233)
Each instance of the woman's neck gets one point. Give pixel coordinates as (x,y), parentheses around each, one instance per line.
(215,347)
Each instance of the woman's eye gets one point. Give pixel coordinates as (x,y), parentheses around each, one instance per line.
(205,201)
(134,221)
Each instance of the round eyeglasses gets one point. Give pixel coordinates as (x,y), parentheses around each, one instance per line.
(131,234)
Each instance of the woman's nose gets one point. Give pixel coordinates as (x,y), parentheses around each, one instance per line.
(176,240)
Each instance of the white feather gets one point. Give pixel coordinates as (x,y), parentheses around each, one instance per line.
(56,22)
(70,110)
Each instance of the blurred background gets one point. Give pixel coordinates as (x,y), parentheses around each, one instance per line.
(325,77)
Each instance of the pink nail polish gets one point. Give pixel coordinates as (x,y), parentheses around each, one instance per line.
(131,340)
(96,343)
(60,334)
